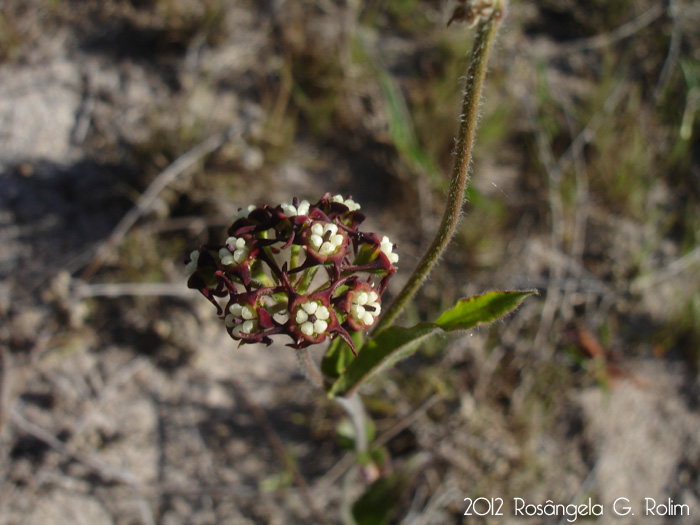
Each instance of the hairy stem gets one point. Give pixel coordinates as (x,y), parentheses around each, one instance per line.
(476,73)
(356,411)
(313,374)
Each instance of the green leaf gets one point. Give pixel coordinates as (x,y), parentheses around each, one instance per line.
(381,352)
(381,499)
(480,309)
(339,355)
(396,342)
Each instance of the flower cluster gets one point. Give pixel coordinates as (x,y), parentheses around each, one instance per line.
(472,11)
(265,279)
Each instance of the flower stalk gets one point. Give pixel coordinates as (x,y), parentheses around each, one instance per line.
(476,73)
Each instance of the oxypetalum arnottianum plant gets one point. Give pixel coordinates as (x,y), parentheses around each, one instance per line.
(308,272)
(265,280)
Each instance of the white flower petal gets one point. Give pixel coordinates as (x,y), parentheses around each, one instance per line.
(357,311)
(352,205)
(307,328)
(320,326)
(315,241)
(248,312)
(310,307)
(322,313)
(192,265)
(240,255)
(243,212)
(302,316)
(326,248)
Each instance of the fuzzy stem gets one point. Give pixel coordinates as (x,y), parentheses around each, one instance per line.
(309,367)
(356,411)
(476,73)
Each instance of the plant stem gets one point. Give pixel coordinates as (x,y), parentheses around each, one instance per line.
(356,411)
(476,73)
(309,367)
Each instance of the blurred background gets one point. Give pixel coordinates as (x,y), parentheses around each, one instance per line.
(132,130)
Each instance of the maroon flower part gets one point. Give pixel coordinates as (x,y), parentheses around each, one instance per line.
(300,269)
(311,319)
(363,306)
(324,242)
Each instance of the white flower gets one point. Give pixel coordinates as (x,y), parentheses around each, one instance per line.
(290,210)
(365,308)
(242,212)
(388,248)
(319,312)
(238,255)
(192,265)
(244,312)
(351,204)
(319,231)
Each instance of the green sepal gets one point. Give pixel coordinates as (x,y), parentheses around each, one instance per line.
(365,255)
